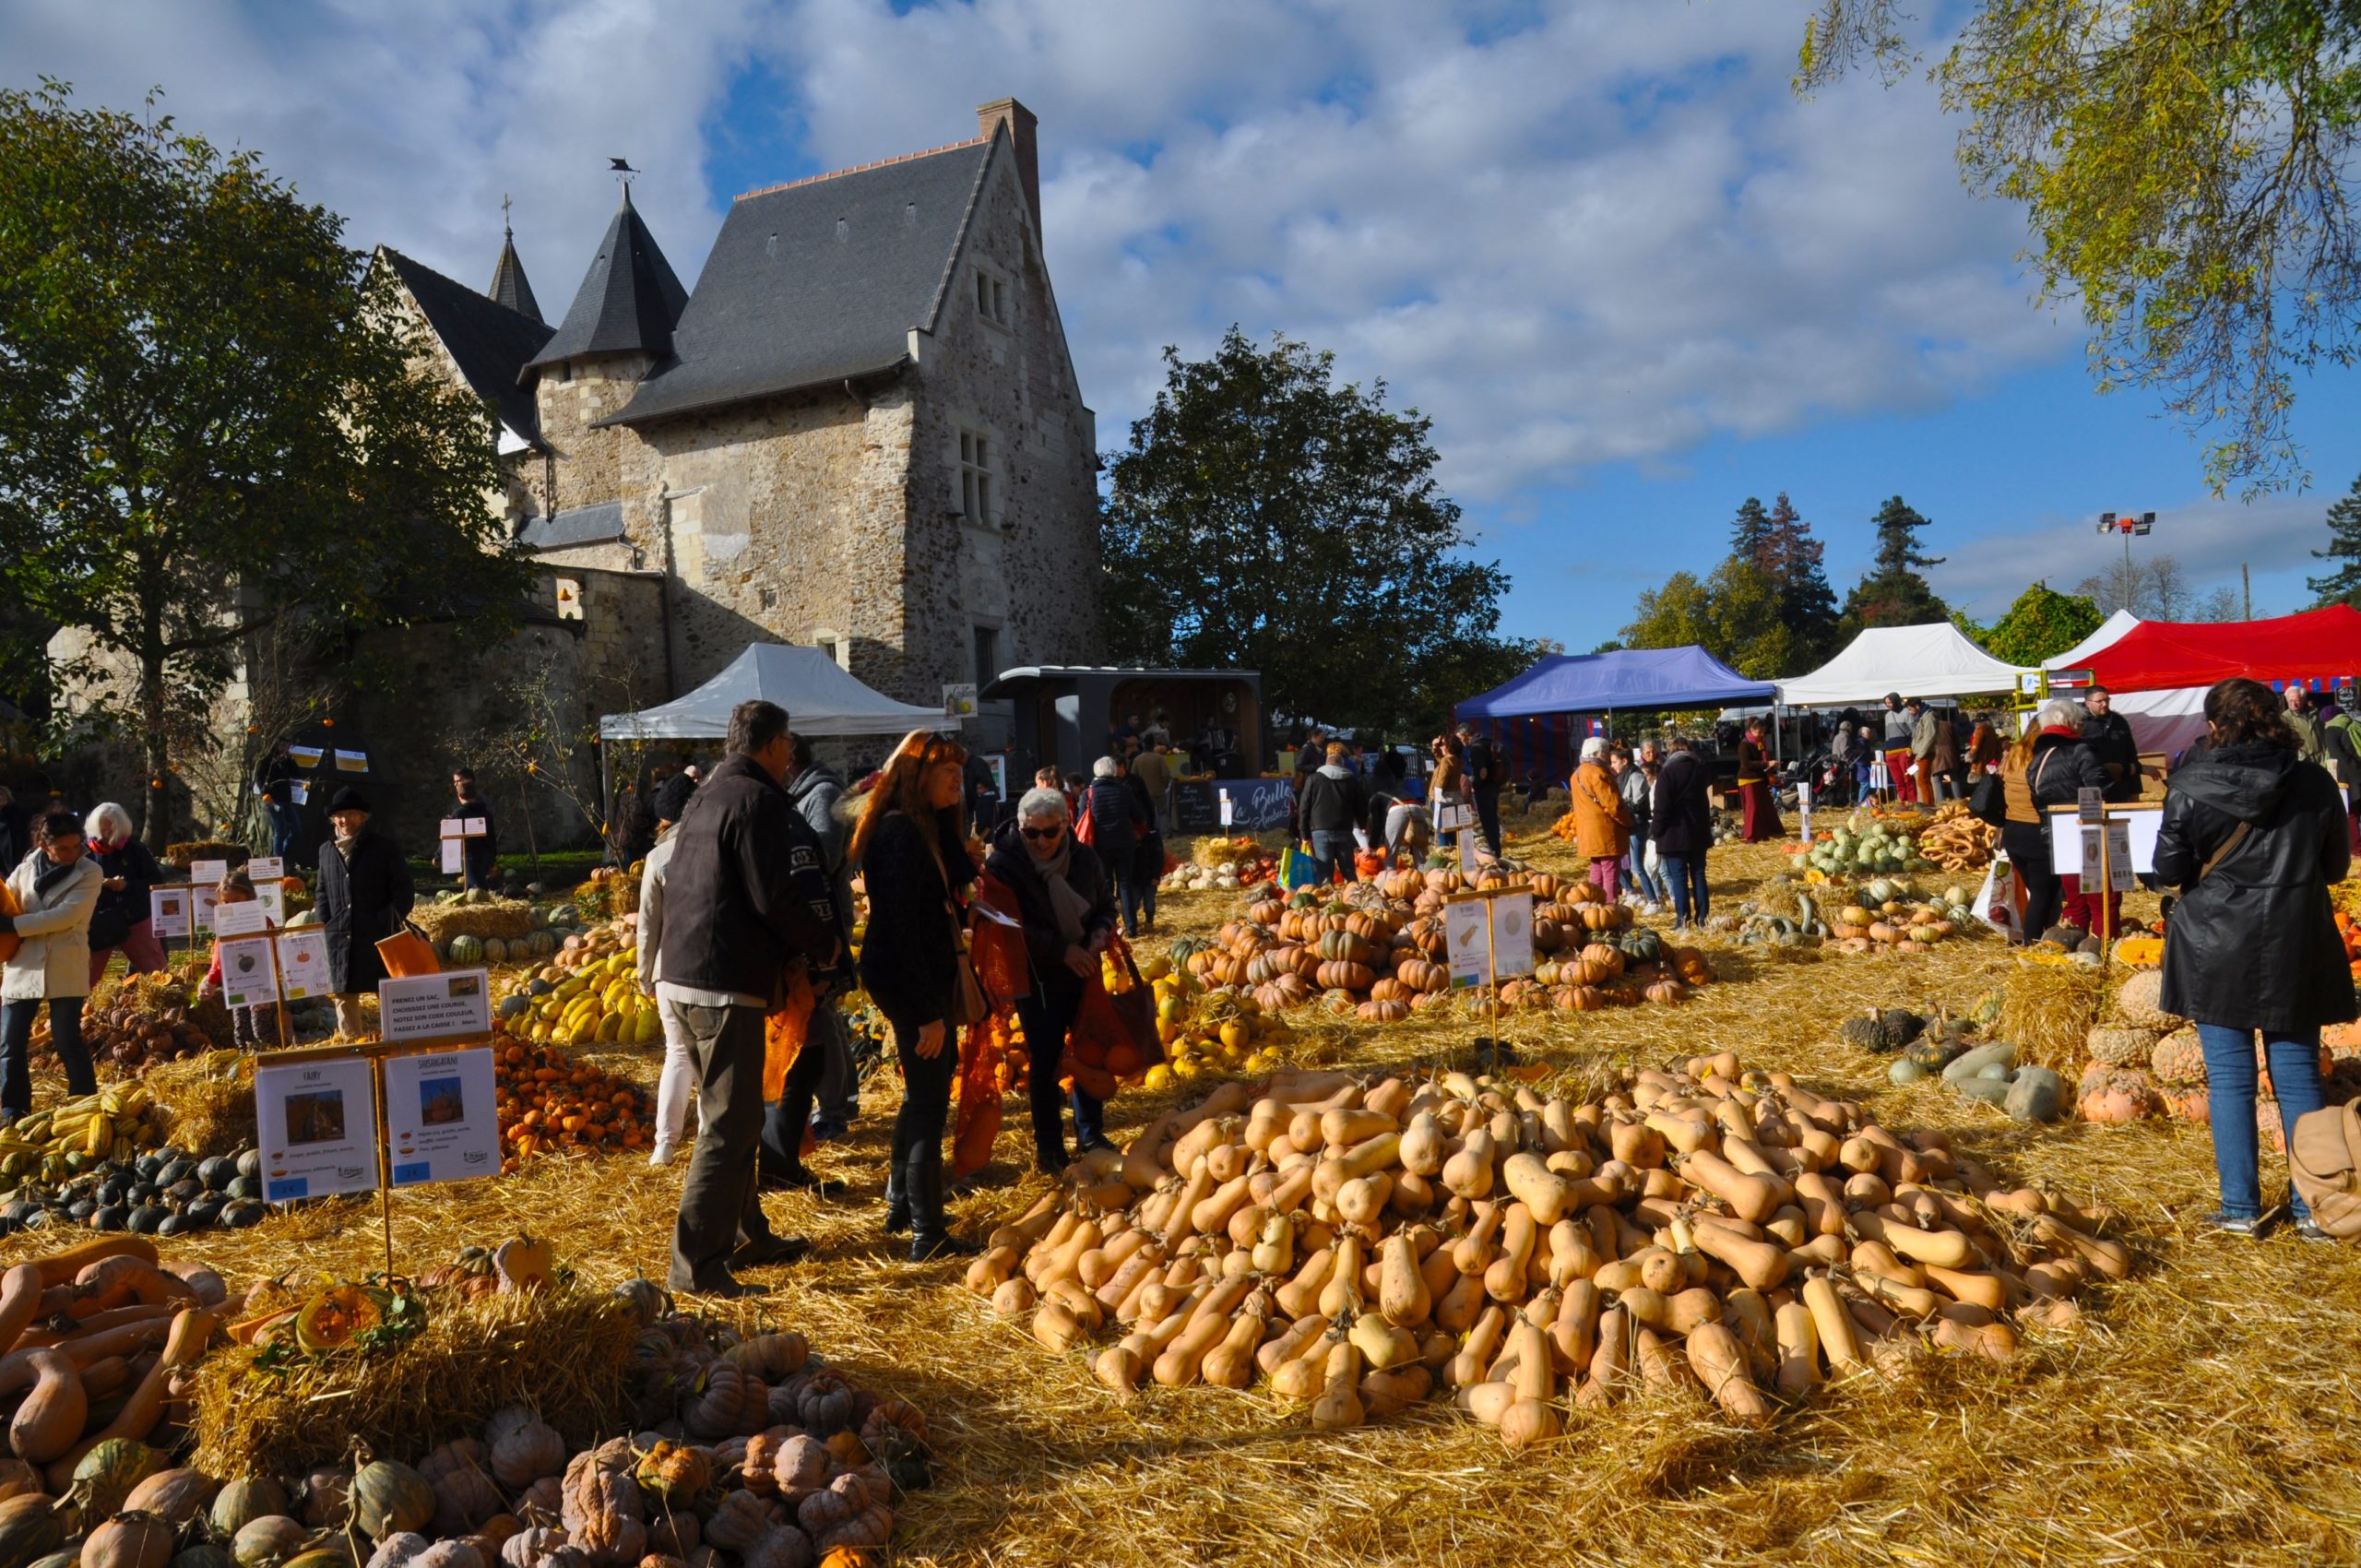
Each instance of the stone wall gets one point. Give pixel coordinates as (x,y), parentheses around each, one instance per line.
(586,464)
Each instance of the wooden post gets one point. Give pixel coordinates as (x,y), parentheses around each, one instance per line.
(1492,974)
(385,1166)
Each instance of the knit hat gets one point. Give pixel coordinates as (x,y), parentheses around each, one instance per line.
(1593,748)
(1104,768)
(349,800)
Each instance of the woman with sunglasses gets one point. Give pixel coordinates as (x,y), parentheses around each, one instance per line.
(913,862)
(1069,914)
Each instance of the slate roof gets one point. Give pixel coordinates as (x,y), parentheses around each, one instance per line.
(818,281)
(508,282)
(629,300)
(490,342)
(578,525)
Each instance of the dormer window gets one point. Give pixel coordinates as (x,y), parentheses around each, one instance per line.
(992,298)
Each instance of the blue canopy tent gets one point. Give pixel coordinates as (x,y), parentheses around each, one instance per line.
(1531,718)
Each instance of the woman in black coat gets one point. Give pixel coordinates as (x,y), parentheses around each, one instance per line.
(2253,838)
(913,862)
(1117,821)
(1069,914)
(1147,857)
(1680,820)
(2049,766)
(365,894)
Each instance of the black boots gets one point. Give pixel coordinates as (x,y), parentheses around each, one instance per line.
(931,1235)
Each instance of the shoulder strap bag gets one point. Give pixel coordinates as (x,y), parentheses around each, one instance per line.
(969,1003)
(2238,837)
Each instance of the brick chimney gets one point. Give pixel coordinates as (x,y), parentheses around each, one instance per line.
(1022,140)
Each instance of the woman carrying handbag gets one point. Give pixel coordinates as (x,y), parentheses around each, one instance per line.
(913,864)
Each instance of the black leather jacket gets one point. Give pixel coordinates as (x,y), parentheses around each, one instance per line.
(2254,944)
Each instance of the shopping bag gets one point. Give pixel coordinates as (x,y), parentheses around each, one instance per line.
(1297,868)
(408,953)
(785,1028)
(9,939)
(1996,901)
(1085,830)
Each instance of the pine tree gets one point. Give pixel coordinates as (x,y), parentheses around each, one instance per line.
(1792,559)
(2341,586)
(1892,593)
(1750,533)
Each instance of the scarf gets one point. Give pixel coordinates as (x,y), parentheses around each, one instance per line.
(50,874)
(1067,905)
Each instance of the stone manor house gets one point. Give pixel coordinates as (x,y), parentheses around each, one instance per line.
(859,431)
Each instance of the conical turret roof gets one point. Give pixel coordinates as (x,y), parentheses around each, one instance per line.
(508,282)
(629,300)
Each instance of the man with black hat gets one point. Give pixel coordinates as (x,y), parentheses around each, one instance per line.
(746,900)
(364,893)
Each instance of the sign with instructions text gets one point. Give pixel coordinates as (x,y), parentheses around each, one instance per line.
(317,1121)
(265,868)
(456,1004)
(442,1118)
(207,874)
(241,918)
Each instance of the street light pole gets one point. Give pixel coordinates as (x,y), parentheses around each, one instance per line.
(2127,524)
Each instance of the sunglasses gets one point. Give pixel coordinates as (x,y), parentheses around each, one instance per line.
(1043,834)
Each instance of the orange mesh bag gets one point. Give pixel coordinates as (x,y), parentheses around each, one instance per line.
(998,950)
(785,1029)
(983,1047)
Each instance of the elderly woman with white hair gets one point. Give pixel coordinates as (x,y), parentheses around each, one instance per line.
(2049,766)
(123,918)
(1602,821)
(1069,916)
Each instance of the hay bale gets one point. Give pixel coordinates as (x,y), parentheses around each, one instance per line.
(504,919)
(1213,849)
(180,857)
(562,1352)
(2047,1011)
(207,1101)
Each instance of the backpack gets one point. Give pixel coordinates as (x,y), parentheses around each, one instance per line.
(2324,1162)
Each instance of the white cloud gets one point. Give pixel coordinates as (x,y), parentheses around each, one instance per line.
(2212,539)
(1602,232)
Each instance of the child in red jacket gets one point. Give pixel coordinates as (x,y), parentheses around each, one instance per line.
(253,1028)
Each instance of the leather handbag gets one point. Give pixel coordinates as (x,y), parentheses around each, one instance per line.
(1988,801)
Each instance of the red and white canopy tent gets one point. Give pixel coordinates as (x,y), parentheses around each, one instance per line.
(2158,672)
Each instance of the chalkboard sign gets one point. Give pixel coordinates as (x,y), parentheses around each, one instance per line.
(1257,805)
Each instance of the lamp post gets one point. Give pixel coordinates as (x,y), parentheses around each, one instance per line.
(2127,524)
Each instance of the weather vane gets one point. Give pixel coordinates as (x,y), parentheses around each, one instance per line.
(623,172)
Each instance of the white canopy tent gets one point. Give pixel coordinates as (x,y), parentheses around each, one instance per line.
(2110,632)
(1932,660)
(820,700)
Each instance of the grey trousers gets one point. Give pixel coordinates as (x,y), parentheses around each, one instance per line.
(720,1206)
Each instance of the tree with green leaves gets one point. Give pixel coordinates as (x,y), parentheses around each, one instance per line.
(1750,532)
(2041,624)
(1892,592)
(2343,583)
(211,422)
(1266,516)
(1733,615)
(2184,168)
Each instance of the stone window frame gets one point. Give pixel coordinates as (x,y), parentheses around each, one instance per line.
(994,296)
(835,644)
(977,626)
(980,500)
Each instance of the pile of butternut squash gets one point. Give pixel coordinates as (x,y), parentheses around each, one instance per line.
(1367,1246)
(92,1338)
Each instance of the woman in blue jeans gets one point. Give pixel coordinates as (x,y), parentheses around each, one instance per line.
(2253,836)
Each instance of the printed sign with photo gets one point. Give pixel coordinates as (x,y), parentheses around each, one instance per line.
(265,868)
(303,963)
(270,897)
(201,900)
(441,1120)
(318,1128)
(249,971)
(306,757)
(351,762)
(168,911)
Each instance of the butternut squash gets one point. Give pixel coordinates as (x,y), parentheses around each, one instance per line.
(1456,1309)
(1344,1129)
(1547,1194)
(1403,1296)
(1720,1364)
(1753,1198)
(64,1267)
(1469,1172)
(1504,1278)
(1382,1346)
(1483,1342)
(1763,1264)
(1341,1296)
(1798,1338)
(1339,1402)
(20,1292)
(52,1416)
(1833,1326)
(1949,1248)
(1531,1418)
(1230,1364)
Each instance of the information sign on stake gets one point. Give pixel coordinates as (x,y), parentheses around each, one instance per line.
(240,919)
(2094,872)
(1229,812)
(2120,877)
(168,911)
(351,762)
(265,868)
(1462,930)
(1511,933)
(451,853)
(1803,807)
(453,1005)
(201,900)
(318,1127)
(2087,806)
(249,973)
(442,1123)
(207,874)
(303,963)
(271,899)
(1466,844)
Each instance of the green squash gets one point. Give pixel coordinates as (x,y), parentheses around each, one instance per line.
(388,1498)
(30,1530)
(467,950)
(107,1474)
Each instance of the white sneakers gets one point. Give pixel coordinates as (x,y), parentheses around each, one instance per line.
(664,1155)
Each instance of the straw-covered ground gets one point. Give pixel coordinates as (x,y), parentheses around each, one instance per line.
(2206,1413)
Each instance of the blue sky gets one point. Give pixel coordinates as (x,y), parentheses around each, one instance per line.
(1632,278)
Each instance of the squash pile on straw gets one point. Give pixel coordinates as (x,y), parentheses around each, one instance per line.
(1365,1247)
